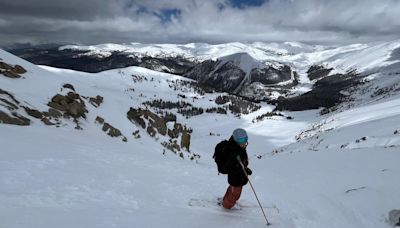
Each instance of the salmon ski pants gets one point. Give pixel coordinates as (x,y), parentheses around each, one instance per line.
(231,196)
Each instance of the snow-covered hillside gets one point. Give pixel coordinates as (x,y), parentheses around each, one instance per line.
(260,71)
(337,170)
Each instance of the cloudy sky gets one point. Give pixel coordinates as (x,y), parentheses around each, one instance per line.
(185,21)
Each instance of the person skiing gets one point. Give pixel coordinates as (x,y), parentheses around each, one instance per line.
(235,149)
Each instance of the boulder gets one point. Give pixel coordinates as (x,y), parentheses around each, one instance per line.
(33,112)
(96,101)
(69,86)
(19,69)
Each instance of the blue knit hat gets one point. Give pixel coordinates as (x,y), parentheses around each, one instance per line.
(240,136)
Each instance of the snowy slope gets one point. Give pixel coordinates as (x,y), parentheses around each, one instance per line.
(62,177)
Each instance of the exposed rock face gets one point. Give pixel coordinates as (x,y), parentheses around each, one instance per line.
(236,73)
(11,71)
(15,119)
(109,129)
(185,141)
(8,101)
(71,105)
(155,124)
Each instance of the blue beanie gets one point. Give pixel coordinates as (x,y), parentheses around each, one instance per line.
(240,136)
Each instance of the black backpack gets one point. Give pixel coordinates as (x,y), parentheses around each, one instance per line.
(221,156)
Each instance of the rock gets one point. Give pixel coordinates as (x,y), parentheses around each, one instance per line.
(76,109)
(136,134)
(58,98)
(33,112)
(72,96)
(19,69)
(11,74)
(15,120)
(57,106)
(109,129)
(10,71)
(99,120)
(54,113)
(154,121)
(96,101)
(176,131)
(151,131)
(135,116)
(394,217)
(70,104)
(185,141)
(47,121)
(5,67)
(69,86)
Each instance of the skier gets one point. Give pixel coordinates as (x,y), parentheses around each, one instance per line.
(237,156)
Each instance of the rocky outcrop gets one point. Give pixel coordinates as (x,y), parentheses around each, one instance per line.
(155,124)
(11,115)
(109,129)
(71,105)
(11,71)
(14,118)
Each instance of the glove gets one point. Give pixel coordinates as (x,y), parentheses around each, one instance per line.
(248,171)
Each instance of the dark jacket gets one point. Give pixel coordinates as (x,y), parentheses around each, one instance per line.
(236,175)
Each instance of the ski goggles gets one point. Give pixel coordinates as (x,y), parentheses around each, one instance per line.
(242,140)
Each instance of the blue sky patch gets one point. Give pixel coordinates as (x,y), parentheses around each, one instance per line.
(242,4)
(166,15)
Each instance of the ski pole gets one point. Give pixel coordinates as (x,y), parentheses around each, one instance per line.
(251,185)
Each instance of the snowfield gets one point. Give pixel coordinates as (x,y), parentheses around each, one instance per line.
(339,170)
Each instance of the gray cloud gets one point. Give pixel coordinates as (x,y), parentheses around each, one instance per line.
(182,21)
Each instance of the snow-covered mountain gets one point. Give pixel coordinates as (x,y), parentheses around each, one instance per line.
(258,71)
(131,147)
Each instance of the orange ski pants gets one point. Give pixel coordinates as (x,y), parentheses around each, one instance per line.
(231,196)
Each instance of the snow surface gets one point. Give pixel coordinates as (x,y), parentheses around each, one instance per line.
(343,173)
